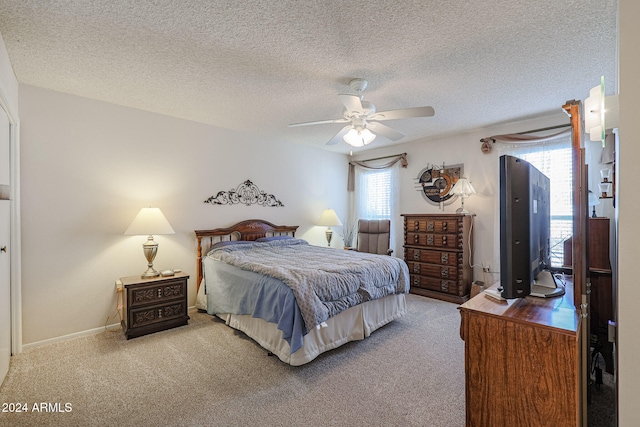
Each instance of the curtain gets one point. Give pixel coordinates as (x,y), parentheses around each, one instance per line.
(374,190)
(522,138)
(369,164)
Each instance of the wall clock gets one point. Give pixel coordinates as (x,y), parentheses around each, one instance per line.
(436,181)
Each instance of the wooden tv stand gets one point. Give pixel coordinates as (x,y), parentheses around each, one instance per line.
(522,360)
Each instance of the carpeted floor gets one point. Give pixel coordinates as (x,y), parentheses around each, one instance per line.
(601,411)
(408,373)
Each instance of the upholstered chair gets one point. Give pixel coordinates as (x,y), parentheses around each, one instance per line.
(373,236)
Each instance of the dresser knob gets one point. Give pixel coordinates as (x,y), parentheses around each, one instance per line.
(416,268)
(416,225)
(430,239)
(159,313)
(444,286)
(444,226)
(416,238)
(444,257)
(444,272)
(430,226)
(416,254)
(416,281)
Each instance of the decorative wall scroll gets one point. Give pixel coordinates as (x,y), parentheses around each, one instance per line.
(246,193)
(436,181)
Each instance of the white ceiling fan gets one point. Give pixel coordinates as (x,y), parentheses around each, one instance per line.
(364,119)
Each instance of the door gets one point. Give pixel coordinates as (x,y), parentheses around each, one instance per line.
(5,226)
(5,294)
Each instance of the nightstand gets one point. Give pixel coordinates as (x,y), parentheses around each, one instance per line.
(155,304)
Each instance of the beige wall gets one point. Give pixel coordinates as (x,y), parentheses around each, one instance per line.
(89,166)
(628,208)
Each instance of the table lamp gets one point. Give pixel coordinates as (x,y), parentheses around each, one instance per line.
(149,221)
(329,219)
(463,188)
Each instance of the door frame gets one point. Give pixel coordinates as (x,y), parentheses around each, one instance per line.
(15,245)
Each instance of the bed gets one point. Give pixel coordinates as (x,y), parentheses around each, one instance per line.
(294,299)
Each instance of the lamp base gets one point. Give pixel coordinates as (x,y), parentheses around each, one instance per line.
(150,248)
(463,211)
(149,273)
(329,234)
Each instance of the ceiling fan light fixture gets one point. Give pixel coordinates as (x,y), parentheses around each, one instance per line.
(359,138)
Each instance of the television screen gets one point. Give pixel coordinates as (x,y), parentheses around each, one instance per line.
(525,229)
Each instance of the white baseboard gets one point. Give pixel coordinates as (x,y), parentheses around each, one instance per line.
(70,336)
(76,335)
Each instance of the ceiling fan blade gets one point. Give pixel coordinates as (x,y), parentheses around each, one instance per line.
(320,122)
(384,130)
(403,113)
(338,137)
(352,103)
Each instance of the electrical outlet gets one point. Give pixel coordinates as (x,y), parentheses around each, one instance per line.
(485,267)
(118,286)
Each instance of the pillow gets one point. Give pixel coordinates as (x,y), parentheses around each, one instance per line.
(228,243)
(272,238)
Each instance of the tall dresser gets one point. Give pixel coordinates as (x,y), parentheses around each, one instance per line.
(437,251)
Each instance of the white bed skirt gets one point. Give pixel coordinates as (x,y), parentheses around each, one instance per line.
(355,323)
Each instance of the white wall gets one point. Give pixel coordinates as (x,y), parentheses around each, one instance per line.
(628,208)
(7,78)
(481,169)
(89,166)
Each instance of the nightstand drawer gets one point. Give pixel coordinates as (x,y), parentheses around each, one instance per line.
(149,294)
(144,316)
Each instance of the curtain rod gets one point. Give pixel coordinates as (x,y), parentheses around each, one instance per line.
(543,129)
(384,157)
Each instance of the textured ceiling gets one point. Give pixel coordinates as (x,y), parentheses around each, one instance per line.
(258,65)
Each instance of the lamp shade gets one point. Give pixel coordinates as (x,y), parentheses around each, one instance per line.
(359,138)
(149,221)
(463,188)
(329,218)
(593,199)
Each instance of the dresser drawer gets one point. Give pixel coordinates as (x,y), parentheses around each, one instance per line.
(155,293)
(433,270)
(447,286)
(143,316)
(450,241)
(433,256)
(433,225)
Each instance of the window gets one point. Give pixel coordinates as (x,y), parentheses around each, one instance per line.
(375,194)
(555,162)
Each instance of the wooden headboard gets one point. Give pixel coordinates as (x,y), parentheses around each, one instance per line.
(250,229)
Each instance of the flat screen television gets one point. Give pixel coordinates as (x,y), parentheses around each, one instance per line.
(525,231)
